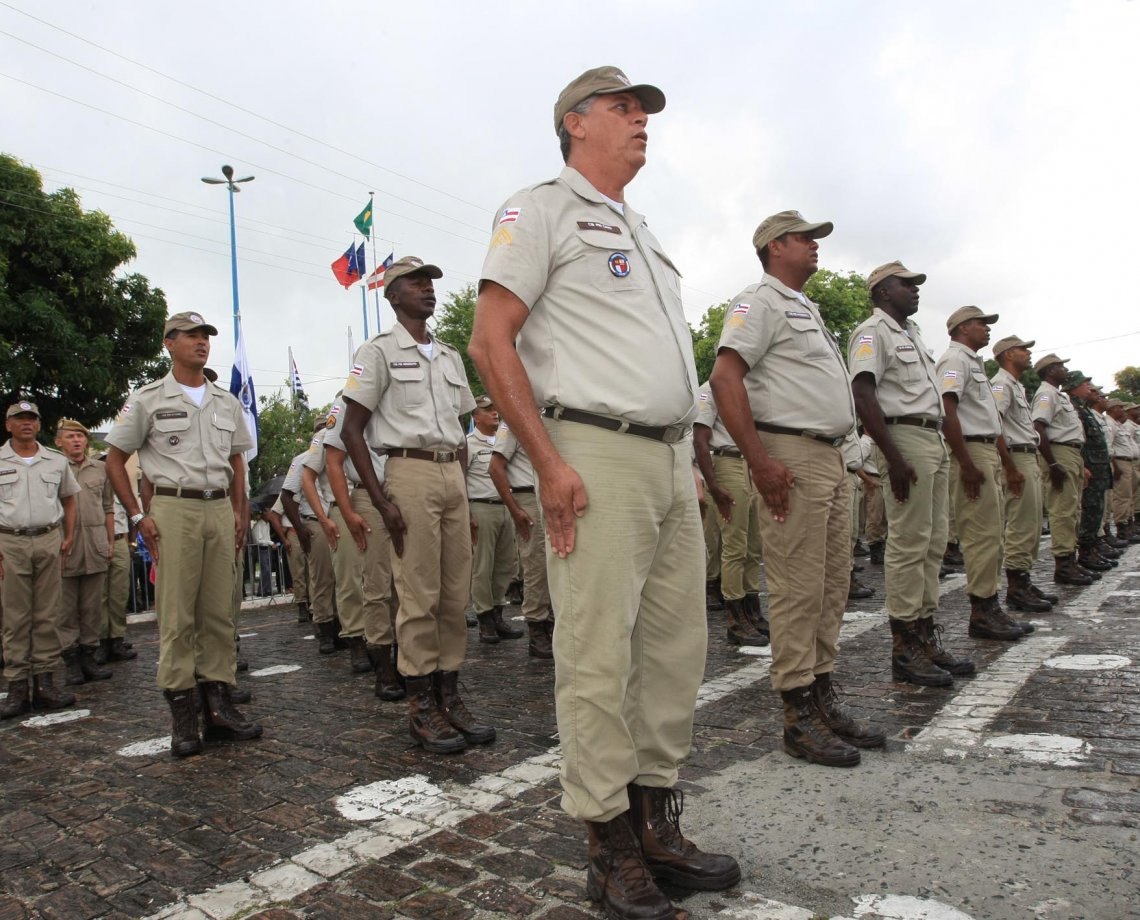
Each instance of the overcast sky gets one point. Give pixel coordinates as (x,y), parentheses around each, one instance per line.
(992,145)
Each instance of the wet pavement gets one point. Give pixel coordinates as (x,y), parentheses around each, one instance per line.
(1013,794)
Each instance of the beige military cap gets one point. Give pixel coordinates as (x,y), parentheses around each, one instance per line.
(788,222)
(187,322)
(1050,358)
(409,265)
(1011,341)
(962,314)
(70,424)
(890,270)
(484,402)
(23,407)
(604,81)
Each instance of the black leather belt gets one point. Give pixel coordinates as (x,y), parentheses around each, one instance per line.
(726,452)
(29,531)
(120,536)
(668,434)
(1075,445)
(207,495)
(979,439)
(799,433)
(309,517)
(1022,449)
(487,501)
(933,424)
(522,489)
(433,456)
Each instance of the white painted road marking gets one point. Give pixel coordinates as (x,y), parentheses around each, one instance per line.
(1088,662)
(56,718)
(145,748)
(275,669)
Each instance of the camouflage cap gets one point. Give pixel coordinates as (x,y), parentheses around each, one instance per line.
(1074,380)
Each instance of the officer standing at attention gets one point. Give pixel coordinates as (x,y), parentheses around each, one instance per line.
(513,476)
(1098,473)
(900,405)
(608,360)
(495,557)
(1124,454)
(37,494)
(972,429)
(191,437)
(1062,437)
(85,568)
(415,388)
(874,508)
(773,347)
(1022,483)
(116,590)
(298,565)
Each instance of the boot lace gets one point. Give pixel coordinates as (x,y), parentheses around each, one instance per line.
(669,830)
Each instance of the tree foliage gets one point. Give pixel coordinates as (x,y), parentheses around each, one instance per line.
(75,335)
(1127,384)
(843,301)
(706,337)
(284,429)
(453,324)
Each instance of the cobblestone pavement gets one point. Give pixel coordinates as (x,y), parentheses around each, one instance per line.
(1015,794)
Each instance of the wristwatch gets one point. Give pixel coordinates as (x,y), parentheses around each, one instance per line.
(135,518)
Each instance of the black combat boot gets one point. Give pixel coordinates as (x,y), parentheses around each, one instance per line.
(17,701)
(45,695)
(714,600)
(502,629)
(755,613)
(807,736)
(184,738)
(857,590)
(540,646)
(740,628)
(930,634)
(326,636)
(304,615)
(387,678)
(617,876)
(953,557)
(358,653)
(119,650)
(1019,595)
(87,664)
(72,669)
(841,720)
(878,551)
(222,721)
(1067,572)
(426,724)
(910,657)
(445,685)
(989,621)
(487,632)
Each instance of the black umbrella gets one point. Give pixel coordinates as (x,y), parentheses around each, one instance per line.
(266,493)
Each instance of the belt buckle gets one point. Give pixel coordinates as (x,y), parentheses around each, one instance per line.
(444,456)
(208,494)
(674,434)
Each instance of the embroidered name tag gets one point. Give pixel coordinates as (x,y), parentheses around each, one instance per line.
(403,364)
(8,472)
(172,414)
(797,314)
(904,348)
(598,225)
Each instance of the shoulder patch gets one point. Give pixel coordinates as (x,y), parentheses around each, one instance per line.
(510,215)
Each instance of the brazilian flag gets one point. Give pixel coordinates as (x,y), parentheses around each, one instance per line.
(363,220)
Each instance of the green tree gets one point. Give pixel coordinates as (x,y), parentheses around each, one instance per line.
(283,431)
(843,300)
(76,335)
(1127,384)
(453,324)
(706,337)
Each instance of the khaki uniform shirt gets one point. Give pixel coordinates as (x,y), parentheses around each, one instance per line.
(1013,407)
(279,509)
(867,446)
(708,416)
(1053,407)
(335,426)
(122,522)
(902,365)
(479,450)
(796,377)
(416,401)
(607,331)
(852,449)
(293,480)
(93,502)
(30,492)
(314,459)
(179,443)
(963,373)
(520,472)
(1134,431)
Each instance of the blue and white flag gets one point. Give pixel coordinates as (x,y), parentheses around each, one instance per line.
(241,385)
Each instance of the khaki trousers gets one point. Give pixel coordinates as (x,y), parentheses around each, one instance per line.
(979,521)
(495,559)
(536,590)
(875,511)
(1136,487)
(1123,498)
(322,578)
(81,609)
(116,590)
(740,542)
(1022,536)
(711,527)
(348,575)
(807,560)
(31,591)
(631,634)
(433,577)
(379,615)
(1064,505)
(916,528)
(298,569)
(194,591)
(856,503)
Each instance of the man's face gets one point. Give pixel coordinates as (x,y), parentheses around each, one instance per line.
(1054,374)
(487,420)
(974,333)
(1084,392)
(796,251)
(901,293)
(190,349)
(24,426)
(73,444)
(1019,358)
(1117,414)
(615,131)
(414,296)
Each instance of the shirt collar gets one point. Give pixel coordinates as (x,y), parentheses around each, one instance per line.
(786,291)
(582,187)
(404,339)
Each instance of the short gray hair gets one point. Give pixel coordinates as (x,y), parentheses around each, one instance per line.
(563,135)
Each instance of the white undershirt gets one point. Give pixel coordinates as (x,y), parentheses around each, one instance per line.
(195,393)
(618,206)
(425,349)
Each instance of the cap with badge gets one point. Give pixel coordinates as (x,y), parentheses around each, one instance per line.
(409,265)
(963,314)
(1050,358)
(1074,380)
(604,81)
(70,424)
(23,407)
(1011,341)
(893,270)
(483,402)
(187,322)
(788,222)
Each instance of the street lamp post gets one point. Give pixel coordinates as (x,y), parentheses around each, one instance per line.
(232,185)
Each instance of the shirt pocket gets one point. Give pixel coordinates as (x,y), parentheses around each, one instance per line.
(408,385)
(223,430)
(8,479)
(456,383)
(808,338)
(981,385)
(171,435)
(910,366)
(609,265)
(50,480)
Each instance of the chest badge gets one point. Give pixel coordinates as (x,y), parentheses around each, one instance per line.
(619,265)
(174,440)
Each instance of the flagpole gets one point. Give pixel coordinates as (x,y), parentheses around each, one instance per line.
(351,349)
(364,308)
(375,264)
(292,386)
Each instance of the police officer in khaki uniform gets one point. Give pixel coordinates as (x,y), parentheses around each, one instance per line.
(191,437)
(1061,464)
(513,476)
(972,429)
(1124,453)
(85,568)
(298,566)
(874,505)
(1021,486)
(37,495)
(364,527)
(608,360)
(113,644)
(900,405)
(854,460)
(736,509)
(415,388)
(1133,412)
(775,347)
